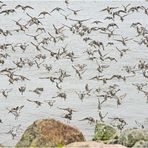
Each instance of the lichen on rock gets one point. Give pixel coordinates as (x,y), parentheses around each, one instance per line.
(141,144)
(104,132)
(130,136)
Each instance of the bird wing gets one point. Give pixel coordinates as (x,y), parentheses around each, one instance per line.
(118,40)
(78,20)
(84,119)
(3,12)
(104,9)
(28,7)
(18,6)
(57,8)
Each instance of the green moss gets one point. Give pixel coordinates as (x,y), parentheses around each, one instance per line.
(27,137)
(104,132)
(40,142)
(59,146)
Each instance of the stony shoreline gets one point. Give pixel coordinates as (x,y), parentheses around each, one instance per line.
(53,133)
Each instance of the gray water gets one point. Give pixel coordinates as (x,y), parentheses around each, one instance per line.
(133,107)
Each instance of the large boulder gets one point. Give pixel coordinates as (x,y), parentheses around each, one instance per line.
(92,144)
(104,132)
(129,137)
(49,133)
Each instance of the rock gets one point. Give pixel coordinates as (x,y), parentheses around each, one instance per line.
(92,144)
(112,141)
(48,133)
(141,144)
(104,132)
(130,136)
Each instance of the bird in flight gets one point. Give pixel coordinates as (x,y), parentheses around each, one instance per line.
(23,7)
(57,9)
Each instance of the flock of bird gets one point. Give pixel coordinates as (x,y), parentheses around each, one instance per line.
(47,51)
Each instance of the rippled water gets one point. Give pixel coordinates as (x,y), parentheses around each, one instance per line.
(133,107)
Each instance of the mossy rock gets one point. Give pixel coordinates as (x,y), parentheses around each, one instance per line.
(104,132)
(49,133)
(130,136)
(141,144)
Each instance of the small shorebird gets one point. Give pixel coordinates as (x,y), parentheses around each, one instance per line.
(65,16)
(22,89)
(38,103)
(36,46)
(61,95)
(23,7)
(78,72)
(119,98)
(5,92)
(3,5)
(96,22)
(7,12)
(81,95)
(120,123)
(58,30)
(88,90)
(57,9)
(139,86)
(102,116)
(75,12)
(89,119)
(70,110)
(122,51)
(123,40)
(15,111)
(67,116)
(41,29)
(109,9)
(109,18)
(34,36)
(38,90)
(66,2)
(50,102)
(44,13)
(79,21)
(34,20)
